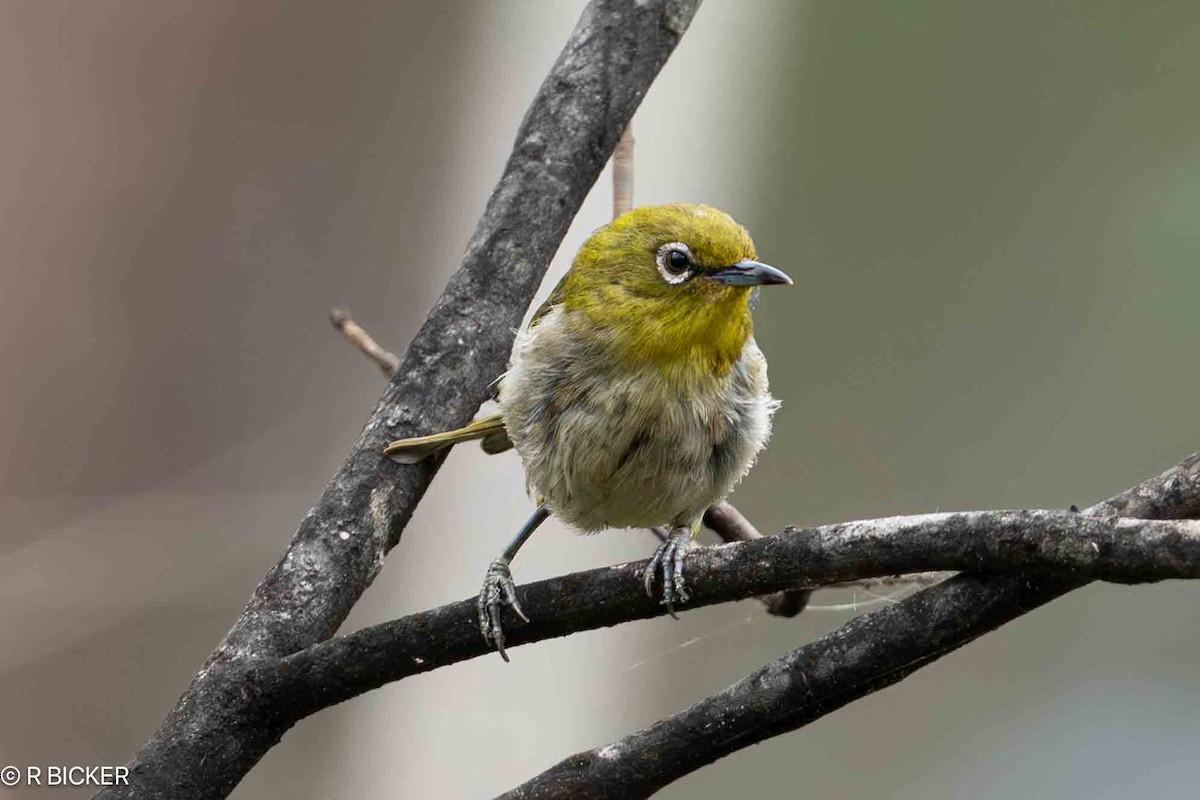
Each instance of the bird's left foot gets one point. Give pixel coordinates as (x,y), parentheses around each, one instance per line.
(668,559)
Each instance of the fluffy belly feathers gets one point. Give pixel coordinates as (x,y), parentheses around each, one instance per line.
(630,448)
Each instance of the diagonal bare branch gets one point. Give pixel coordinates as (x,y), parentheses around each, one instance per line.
(215,733)
(867,654)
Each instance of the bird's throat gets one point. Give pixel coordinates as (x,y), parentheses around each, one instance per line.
(685,340)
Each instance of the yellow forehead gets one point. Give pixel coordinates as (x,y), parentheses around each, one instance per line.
(713,237)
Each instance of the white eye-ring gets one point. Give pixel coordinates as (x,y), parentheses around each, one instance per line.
(674,261)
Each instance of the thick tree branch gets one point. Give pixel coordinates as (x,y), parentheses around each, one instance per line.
(1076,545)
(212,736)
(881,648)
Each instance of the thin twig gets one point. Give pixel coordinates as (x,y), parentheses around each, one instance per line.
(622,173)
(386,360)
(732,526)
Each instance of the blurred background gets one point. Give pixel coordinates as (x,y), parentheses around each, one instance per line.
(991,214)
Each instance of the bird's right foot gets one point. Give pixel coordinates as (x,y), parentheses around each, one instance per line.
(668,560)
(498,590)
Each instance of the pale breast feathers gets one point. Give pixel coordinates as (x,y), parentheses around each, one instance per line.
(618,447)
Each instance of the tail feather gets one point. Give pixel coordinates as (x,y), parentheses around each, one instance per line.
(490,429)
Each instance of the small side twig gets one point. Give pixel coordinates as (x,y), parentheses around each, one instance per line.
(386,360)
(622,162)
(732,526)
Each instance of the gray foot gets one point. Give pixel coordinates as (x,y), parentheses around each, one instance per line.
(498,589)
(668,559)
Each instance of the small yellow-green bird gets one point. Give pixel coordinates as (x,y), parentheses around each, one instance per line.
(636,397)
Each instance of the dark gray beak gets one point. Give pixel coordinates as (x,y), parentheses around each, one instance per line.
(750,273)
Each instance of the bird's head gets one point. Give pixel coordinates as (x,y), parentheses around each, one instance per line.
(671,285)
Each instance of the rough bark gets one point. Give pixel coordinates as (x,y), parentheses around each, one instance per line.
(1065,546)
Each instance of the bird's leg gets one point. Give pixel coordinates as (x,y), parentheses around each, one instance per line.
(669,559)
(498,587)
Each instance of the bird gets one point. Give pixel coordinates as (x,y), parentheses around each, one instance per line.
(636,396)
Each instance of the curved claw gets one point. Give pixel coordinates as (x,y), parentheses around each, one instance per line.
(668,559)
(498,590)
(652,568)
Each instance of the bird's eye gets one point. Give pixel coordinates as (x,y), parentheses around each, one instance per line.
(674,262)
